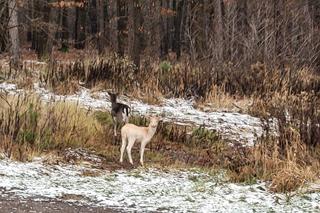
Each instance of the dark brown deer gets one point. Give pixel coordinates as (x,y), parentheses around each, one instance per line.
(119,112)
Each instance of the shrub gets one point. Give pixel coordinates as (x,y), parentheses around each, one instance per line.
(165,66)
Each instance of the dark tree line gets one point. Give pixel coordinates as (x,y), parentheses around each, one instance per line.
(217,32)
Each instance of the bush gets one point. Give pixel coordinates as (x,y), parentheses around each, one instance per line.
(165,66)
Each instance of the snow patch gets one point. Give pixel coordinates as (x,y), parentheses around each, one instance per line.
(144,190)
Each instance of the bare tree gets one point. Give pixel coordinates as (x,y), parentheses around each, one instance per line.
(80,27)
(178,22)
(14,33)
(3,25)
(152,28)
(113,24)
(133,31)
(52,28)
(100,19)
(219,28)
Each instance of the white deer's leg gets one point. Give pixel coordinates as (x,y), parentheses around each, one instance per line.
(143,145)
(123,147)
(129,147)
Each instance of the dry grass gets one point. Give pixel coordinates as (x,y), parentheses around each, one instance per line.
(225,86)
(291,177)
(218,99)
(230,88)
(27,125)
(287,172)
(148,95)
(290,159)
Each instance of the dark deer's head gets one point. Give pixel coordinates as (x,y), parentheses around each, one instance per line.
(113,96)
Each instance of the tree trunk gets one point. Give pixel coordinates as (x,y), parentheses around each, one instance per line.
(165,30)
(122,26)
(100,20)
(14,33)
(152,28)
(80,27)
(65,31)
(178,20)
(279,8)
(40,32)
(201,40)
(88,24)
(32,28)
(242,29)
(269,28)
(113,25)
(71,23)
(219,29)
(133,32)
(3,26)
(52,30)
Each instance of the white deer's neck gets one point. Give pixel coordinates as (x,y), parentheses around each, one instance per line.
(151,130)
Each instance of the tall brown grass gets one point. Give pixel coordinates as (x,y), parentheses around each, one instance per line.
(228,87)
(289,157)
(28,125)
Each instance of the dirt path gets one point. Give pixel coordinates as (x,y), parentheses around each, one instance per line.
(10,203)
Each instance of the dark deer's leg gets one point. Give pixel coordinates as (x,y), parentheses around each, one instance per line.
(114,126)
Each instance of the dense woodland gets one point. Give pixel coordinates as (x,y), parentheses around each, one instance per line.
(214,32)
(265,53)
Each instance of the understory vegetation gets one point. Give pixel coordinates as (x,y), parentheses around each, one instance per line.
(289,159)
(290,99)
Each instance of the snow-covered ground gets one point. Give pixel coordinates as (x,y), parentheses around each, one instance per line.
(231,126)
(146,190)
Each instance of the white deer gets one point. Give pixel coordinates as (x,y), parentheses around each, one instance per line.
(131,133)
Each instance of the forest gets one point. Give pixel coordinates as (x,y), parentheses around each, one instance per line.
(234,86)
(212,33)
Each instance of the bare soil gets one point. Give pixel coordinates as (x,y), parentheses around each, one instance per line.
(9,203)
